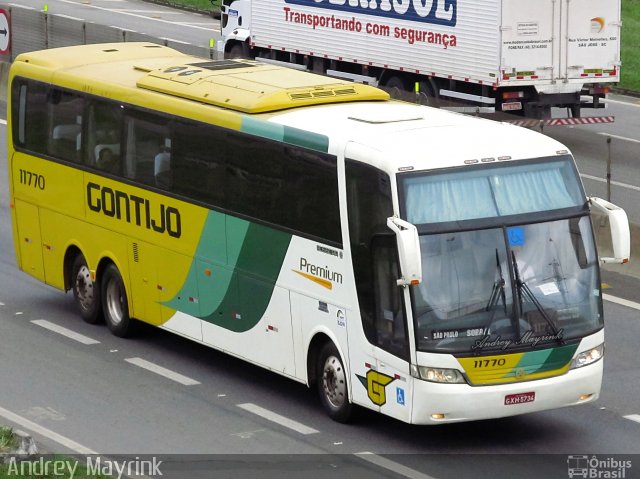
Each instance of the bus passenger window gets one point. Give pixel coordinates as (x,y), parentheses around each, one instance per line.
(104,134)
(148,149)
(162,167)
(65,125)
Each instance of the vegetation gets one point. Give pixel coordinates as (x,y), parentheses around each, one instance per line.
(203,5)
(8,440)
(630,53)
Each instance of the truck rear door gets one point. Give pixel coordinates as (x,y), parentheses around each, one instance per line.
(590,40)
(528,40)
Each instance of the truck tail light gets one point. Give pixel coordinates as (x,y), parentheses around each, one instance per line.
(509,95)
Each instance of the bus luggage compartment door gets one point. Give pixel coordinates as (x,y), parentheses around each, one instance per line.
(29,239)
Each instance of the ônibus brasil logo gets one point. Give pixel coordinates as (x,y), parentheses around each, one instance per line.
(438,12)
(594,467)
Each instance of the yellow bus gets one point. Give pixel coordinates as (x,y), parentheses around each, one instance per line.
(430,266)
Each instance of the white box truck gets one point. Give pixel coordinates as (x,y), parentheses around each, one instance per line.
(518,56)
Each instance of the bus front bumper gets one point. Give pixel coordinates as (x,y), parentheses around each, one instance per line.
(435,403)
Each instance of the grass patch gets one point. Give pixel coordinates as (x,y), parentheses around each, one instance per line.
(629,52)
(8,440)
(204,5)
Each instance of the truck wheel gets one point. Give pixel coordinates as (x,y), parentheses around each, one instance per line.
(86,292)
(236,51)
(332,384)
(114,302)
(396,82)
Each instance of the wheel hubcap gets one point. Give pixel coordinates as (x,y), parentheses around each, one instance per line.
(115,301)
(333,381)
(84,288)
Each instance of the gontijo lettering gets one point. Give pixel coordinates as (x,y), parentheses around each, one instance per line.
(131,208)
(439,12)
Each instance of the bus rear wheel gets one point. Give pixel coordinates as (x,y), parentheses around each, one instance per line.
(86,292)
(114,302)
(332,384)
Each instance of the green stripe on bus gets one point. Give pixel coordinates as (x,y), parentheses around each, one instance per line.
(545,360)
(305,139)
(287,134)
(234,295)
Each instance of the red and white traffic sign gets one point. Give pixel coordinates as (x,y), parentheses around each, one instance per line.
(5,32)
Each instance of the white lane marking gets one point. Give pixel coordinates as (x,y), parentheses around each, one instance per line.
(633,417)
(21,6)
(43,431)
(148,12)
(129,14)
(81,338)
(615,183)
(277,418)
(623,138)
(189,24)
(620,102)
(175,41)
(4,122)
(69,17)
(620,301)
(167,373)
(392,466)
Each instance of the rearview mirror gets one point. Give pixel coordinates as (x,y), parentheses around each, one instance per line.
(408,251)
(619,226)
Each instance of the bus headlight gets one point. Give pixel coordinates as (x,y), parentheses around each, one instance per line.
(438,375)
(588,357)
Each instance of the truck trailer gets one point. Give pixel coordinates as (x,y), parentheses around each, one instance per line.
(514,56)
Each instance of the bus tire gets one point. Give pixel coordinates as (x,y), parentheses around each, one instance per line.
(332,384)
(114,302)
(86,292)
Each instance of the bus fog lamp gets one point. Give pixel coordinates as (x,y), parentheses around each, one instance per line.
(588,357)
(438,375)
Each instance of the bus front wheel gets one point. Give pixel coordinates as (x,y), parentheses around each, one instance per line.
(332,384)
(114,302)
(86,292)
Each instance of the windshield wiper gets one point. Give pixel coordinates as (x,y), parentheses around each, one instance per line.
(497,292)
(524,290)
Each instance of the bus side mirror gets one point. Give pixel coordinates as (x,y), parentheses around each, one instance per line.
(408,251)
(619,226)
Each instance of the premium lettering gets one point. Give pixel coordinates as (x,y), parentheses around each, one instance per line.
(319,271)
(134,209)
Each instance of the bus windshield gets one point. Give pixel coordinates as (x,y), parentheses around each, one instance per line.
(497,283)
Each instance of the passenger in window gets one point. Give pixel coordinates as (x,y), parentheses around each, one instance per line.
(162,168)
(107,161)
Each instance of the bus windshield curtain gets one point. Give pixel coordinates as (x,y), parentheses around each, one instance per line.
(488,193)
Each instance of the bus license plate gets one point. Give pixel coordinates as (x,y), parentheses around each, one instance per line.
(514,105)
(519,398)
